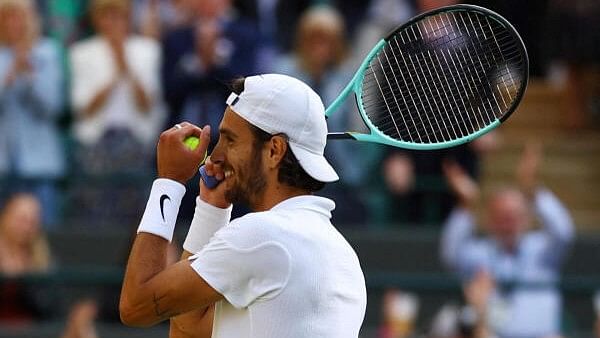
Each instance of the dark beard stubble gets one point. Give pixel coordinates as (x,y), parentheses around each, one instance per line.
(248,189)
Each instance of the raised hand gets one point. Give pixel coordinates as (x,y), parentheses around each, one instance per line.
(463,186)
(528,168)
(207,36)
(174,159)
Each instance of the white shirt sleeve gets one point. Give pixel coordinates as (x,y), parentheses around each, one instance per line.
(554,216)
(242,265)
(457,233)
(558,225)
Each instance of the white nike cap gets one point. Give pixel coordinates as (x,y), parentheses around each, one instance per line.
(282,104)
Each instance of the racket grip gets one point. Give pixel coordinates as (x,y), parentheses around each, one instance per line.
(210,181)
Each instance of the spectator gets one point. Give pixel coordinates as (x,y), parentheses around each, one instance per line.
(399,314)
(23,251)
(574,39)
(31,92)
(276,21)
(381,17)
(200,59)
(81,320)
(414,187)
(319,59)
(23,247)
(524,264)
(470,320)
(154,18)
(115,92)
(411,190)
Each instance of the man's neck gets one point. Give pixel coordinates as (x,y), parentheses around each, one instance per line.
(277,193)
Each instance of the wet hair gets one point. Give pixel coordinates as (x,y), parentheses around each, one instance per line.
(290,171)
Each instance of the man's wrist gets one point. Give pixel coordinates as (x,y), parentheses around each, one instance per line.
(162,208)
(208,219)
(173,178)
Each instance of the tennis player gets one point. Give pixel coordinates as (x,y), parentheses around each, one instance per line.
(281,271)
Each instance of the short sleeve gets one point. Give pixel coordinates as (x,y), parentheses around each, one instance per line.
(242,266)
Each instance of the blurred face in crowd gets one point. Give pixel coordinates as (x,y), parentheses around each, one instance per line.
(211,8)
(112,21)
(20,220)
(14,18)
(508,216)
(320,40)
(319,45)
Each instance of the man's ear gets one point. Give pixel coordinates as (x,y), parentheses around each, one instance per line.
(277,148)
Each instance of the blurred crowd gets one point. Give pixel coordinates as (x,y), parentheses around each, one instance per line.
(87,85)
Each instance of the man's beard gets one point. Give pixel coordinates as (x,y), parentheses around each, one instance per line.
(250,183)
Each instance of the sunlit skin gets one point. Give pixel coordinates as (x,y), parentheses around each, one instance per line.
(19,236)
(508,216)
(319,49)
(211,8)
(250,176)
(113,23)
(13,24)
(20,223)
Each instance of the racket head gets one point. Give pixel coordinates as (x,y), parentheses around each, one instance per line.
(442,79)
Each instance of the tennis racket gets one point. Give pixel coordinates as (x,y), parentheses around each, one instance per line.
(442,79)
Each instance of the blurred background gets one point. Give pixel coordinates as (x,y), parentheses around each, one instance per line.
(499,237)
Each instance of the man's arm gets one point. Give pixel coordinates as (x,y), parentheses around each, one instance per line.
(557,224)
(151,291)
(458,228)
(210,215)
(553,215)
(193,324)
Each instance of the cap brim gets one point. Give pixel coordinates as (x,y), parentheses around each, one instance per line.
(314,164)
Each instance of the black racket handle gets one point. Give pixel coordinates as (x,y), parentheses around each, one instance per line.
(210,181)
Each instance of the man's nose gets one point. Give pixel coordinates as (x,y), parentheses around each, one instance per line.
(217,155)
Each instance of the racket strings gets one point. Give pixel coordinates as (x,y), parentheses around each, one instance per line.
(442,78)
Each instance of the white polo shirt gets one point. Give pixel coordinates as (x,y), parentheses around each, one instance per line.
(286,272)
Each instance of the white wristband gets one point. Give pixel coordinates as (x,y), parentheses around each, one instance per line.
(207,220)
(162,208)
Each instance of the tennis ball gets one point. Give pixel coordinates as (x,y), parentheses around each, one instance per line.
(192,143)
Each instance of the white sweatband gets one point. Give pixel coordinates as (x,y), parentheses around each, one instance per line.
(207,220)
(162,208)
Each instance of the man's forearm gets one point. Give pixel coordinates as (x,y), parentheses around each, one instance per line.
(193,324)
(148,257)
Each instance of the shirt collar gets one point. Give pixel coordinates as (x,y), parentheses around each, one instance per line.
(315,203)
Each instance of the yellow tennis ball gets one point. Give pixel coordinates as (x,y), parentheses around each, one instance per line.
(192,143)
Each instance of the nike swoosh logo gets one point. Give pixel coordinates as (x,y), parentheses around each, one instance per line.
(162,202)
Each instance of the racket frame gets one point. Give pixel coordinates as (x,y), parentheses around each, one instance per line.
(375,135)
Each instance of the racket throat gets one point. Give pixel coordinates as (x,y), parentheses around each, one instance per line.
(340,136)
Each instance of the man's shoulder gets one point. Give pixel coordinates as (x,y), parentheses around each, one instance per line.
(257,221)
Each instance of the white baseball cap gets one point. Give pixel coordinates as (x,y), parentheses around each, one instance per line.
(282,104)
